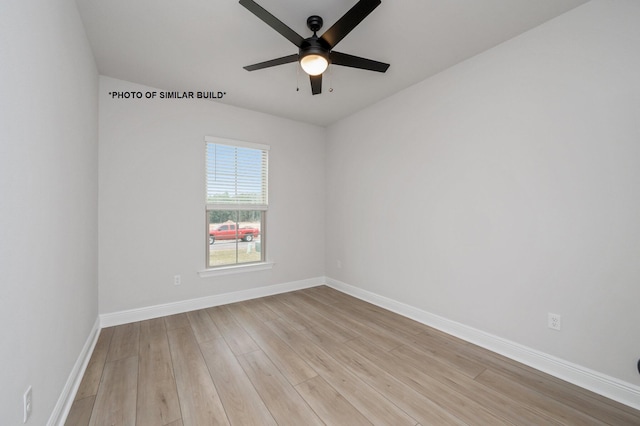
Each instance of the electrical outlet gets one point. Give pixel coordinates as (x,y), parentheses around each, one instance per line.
(554,321)
(177,280)
(27,401)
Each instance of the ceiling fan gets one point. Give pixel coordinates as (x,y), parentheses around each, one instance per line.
(316,53)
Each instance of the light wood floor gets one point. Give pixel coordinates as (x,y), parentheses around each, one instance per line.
(314,357)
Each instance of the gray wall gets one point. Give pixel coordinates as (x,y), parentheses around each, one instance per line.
(49,202)
(505,188)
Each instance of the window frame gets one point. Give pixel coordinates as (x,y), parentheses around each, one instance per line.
(239,206)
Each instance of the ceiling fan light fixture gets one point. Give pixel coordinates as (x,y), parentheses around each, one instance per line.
(314,63)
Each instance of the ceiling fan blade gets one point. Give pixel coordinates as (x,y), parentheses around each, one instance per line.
(272,63)
(273,22)
(316,84)
(349,21)
(346,60)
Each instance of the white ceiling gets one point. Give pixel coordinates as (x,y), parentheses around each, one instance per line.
(202,45)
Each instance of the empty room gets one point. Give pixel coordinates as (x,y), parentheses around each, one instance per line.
(332,212)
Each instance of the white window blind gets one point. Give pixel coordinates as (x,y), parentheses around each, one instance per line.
(237,174)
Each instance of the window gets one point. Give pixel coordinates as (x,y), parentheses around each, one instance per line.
(236,204)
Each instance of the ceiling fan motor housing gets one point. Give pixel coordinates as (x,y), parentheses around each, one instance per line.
(314,46)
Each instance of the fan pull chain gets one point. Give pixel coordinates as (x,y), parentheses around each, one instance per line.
(297,77)
(330,79)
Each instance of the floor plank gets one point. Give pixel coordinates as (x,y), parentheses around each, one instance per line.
(240,399)
(158,402)
(116,400)
(285,404)
(203,327)
(199,400)
(332,407)
(259,310)
(176,321)
(125,341)
(236,337)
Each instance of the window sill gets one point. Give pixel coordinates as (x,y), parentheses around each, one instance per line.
(235,269)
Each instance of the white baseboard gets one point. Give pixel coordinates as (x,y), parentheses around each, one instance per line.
(141,314)
(61,410)
(610,387)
